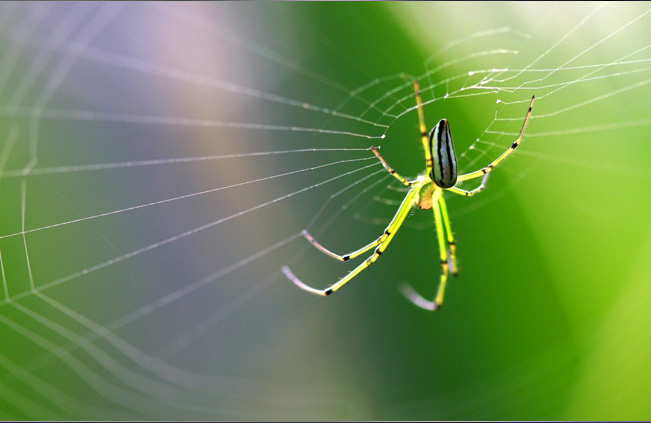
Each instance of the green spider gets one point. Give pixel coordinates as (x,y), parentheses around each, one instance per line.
(425,192)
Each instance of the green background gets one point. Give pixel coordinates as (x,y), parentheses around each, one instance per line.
(548,320)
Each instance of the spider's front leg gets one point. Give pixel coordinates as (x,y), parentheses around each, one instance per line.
(388,235)
(375,243)
(452,245)
(348,256)
(441,227)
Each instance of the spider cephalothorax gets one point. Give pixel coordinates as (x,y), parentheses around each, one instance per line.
(425,192)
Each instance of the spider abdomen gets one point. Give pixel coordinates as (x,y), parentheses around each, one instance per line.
(444,160)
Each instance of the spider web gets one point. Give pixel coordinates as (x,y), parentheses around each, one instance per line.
(159,162)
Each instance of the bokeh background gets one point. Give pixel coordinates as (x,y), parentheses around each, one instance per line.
(123,301)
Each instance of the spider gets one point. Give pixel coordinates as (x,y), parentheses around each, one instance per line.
(425,192)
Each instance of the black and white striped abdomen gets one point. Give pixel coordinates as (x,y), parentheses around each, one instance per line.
(444,160)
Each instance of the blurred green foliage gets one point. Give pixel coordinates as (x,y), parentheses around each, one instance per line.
(549,317)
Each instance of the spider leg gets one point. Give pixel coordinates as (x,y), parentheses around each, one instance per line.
(348,256)
(389,168)
(452,246)
(410,292)
(375,243)
(389,233)
(424,136)
(472,192)
(504,155)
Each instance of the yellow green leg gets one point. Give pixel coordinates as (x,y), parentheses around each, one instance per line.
(424,136)
(388,235)
(443,254)
(389,169)
(450,237)
(375,243)
(348,256)
(485,170)
(410,292)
